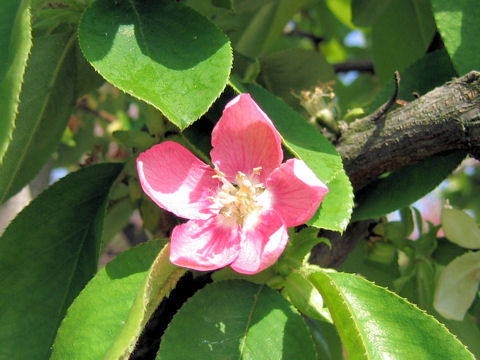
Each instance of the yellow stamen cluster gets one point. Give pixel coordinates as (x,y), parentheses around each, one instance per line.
(240,199)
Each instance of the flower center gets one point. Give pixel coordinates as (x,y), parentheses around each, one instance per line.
(241,199)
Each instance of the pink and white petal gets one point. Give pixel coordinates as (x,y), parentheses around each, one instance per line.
(178,181)
(204,244)
(296,192)
(261,245)
(245,138)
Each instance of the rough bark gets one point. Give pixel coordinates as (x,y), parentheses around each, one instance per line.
(445,119)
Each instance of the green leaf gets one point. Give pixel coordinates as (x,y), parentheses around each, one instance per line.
(117,218)
(401,35)
(375,323)
(301,243)
(460,228)
(87,79)
(457,22)
(325,336)
(108,316)
(358,262)
(160,52)
(305,297)
(457,286)
(404,186)
(47,255)
(308,144)
(15,44)
(359,94)
(237,320)
(294,70)
(45,106)
(140,140)
(467,332)
(367,12)
(84,142)
(342,10)
(336,208)
(265,26)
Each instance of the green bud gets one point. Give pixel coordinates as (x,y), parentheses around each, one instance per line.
(382,252)
(135,190)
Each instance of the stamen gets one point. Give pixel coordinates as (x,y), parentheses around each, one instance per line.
(239,200)
(257,170)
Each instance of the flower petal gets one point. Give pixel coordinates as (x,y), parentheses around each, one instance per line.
(204,244)
(296,192)
(245,138)
(177,181)
(261,245)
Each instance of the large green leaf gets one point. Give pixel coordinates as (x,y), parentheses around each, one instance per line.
(458,24)
(47,255)
(45,106)
(401,35)
(308,144)
(236,319)
(404,186)
(375,323)
(159,51)
(15,44)
(108,316)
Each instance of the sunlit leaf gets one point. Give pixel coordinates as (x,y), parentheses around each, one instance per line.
(108,316)
(375,323)
(336,208)
(235,319)
(458,286)
(460,228)
(458,24)
(161,52)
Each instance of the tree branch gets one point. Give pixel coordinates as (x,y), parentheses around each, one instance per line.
(445,119)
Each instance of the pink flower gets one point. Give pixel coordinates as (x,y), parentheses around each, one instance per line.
(238,211)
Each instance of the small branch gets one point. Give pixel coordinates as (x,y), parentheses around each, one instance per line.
(83,105)
(355,65)
(299,33)
(382,110)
